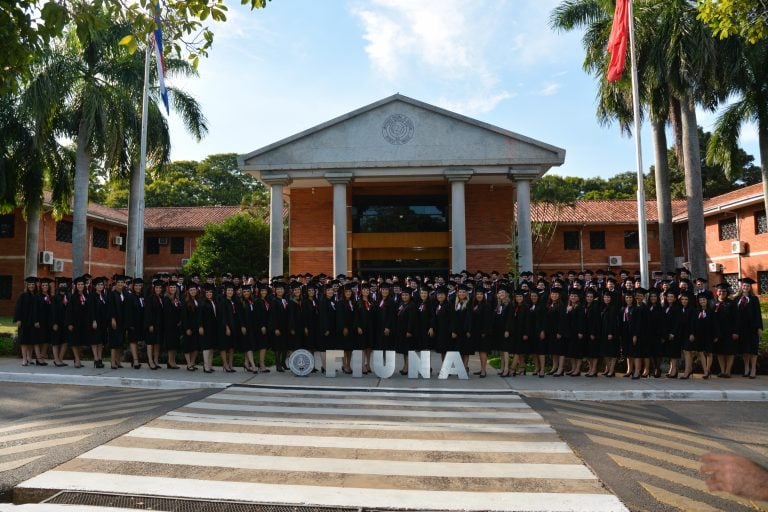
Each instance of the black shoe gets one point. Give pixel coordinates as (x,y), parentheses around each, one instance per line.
(154,367)
(59,365)
(172,367)
(207,371)
(280,369)
(137,366)
(41,363)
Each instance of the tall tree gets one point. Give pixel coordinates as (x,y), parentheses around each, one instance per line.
(747,18)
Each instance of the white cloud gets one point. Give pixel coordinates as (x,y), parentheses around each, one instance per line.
(549,89)
(475,105)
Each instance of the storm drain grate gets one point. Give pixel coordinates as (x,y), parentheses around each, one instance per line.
(179,505)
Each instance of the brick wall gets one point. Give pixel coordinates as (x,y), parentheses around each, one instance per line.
(166,260)
(310,238)
(489,218)
(719,251)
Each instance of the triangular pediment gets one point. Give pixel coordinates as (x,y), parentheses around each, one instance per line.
(405,133)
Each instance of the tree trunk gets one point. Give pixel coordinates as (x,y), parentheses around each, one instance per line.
(34,209)
(135,236)
(663,198)
(697,255)
(80,206)
(762,137)
(677,127)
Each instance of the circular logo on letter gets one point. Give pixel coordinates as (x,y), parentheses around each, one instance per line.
(397,129)
(301,362)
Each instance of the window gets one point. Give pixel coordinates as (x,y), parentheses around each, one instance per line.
(762,282)
(761,223)
(100,238)
(153,245)
(177,245)
(64,231)
(631,241)
(6,287)
(124,236)
(728,230)
(732,280)
(7,223)
(597,239)
(399,214)
(571,240)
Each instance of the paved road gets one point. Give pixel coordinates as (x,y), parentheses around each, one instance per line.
(42,426)
(403,450)
(648,452)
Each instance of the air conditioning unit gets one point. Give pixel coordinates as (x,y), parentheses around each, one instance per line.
(58,265)
(118,240)
(163,240)
(738,247)
(184,261)
(715,267)
(614,261)
(46,258)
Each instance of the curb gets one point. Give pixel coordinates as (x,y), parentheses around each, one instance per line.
(114,382)
(736,395)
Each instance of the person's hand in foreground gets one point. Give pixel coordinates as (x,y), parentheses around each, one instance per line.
(735,474)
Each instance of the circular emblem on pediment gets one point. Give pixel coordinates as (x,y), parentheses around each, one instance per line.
(397,129)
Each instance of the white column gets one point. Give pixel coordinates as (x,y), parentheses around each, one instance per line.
(276,184)
(339,180)
(524,237)
(458,177)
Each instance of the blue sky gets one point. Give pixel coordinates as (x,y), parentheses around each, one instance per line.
(297,63)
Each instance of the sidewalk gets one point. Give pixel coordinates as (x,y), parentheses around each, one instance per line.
(565,388)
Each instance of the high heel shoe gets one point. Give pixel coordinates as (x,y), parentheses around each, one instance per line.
(136,366)
(40,363)
(59,365)
(684,377)
(558,374)
(705,376)
(504,374)
(207,370)
(610,375)
(403,372)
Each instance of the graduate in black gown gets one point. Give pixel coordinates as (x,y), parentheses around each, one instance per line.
(190,326)
(749,325)
(346,334)
(297,329)
(261,339)
(656,327)
(537,337)
(591,330)
(518,329)
(310,312)
(704,333)
(480,329)
(77,320)
(42,321)
(135,319)
(459,309)
(230,326)
(326,323)
(365,324)
(118,307)
(425,319)
(641,349)
(153,324)
(441,319)
(500,329)
(386,312)
(671,342)
(59,322)
(609,333)
(687,314)
(725,318)
(406,325)
(172,331)
(556,325)
(98,320)
(23,318)
(278,325)
(209,326)
(575,331)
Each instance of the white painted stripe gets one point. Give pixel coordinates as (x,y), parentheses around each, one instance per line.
(363,412)
(48,443)
(355,443)
(517,404)
(378,393)
(14,464)
(326,496)
(527,428)
(349,466)
(60,430)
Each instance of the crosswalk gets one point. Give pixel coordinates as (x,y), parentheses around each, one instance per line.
(371,449)
(40,435)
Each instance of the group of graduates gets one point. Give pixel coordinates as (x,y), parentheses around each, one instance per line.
(563,318)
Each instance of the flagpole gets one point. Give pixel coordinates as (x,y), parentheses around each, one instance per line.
(139,269)
(642,229)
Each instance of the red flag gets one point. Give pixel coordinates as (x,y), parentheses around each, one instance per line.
(617,43)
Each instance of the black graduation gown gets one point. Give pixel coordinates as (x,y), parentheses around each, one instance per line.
(748,321)
(24,313)
(77,320)
(592,330)
(209,321)
(172,323)
(518,327)
(480,327)
(117,310)
(725,319)
(386,318)
(406,325)
(310,312)
(326,324)
(575,331)
(296,324)
(500,326)
(556,323)
(346,335)
(609,328)
(135,318)
(671,342)
(459,320)
(645,332)
(97,311)
(153,318)
(704,330)
(59,319)
(261,338)
(229,316)
(684,327)
(425,321)
(441,315)
(365,320)
(656,329)
(537,314)
(190,326)
(278,322)
(41,318)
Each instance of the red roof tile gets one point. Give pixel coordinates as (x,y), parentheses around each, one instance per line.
(608,211)
(751,192)
(194,218)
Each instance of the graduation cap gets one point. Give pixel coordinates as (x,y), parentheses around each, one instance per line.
(30,280)
(444,289)
(704,294)
(87,276)
(294,285)
(46,280)
(385,286)
(80,279)
(723,286)
(138,280)
(158,282)
(99,280)
(640,290)
(208,287)
(747,280)
(246,288)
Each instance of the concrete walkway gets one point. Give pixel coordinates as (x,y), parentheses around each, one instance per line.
(566,388)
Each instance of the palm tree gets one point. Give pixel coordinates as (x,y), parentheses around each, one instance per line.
(750,84)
